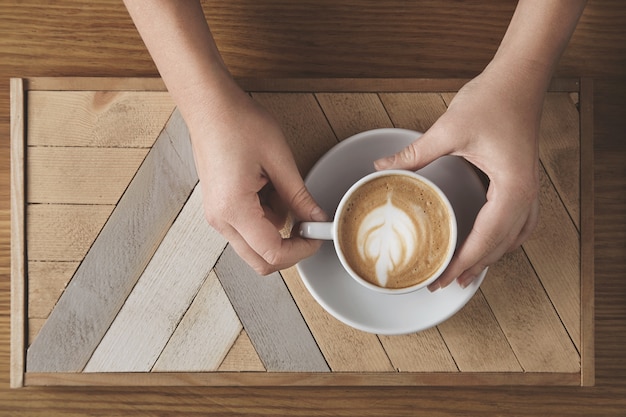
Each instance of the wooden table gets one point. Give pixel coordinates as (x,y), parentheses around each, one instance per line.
(271,57)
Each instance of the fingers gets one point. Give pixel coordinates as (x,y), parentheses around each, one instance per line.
(430,146)
(497,230)
(252,225)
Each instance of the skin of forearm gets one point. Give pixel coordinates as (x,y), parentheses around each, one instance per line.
(534,41)
(182,47)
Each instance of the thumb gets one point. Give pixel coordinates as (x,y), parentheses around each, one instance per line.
(291,189)
(418,154)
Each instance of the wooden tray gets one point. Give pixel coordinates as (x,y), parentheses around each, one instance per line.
(118,280)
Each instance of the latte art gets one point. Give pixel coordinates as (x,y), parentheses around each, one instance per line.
(394,231)
(388,238)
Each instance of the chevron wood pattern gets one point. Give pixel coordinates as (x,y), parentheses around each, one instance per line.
(127,282)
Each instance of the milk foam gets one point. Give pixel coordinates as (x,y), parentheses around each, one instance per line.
(390,238)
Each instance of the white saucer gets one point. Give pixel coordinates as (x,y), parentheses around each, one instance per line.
(330,284)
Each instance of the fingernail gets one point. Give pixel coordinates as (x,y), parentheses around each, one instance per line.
(384,162)
(466,282)
(319,215)
(434,287)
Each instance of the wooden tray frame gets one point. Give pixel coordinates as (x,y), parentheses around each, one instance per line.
(19,377)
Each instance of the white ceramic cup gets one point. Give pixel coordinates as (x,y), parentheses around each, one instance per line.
(329,231)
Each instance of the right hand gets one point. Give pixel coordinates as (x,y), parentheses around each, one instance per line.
(249,182)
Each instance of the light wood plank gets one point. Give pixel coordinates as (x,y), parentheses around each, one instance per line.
(268,313)
(97,118)
(205,334)
(351,113)
(303,124)
(554,251)
(345,349)
(162,295)
(424,351)
(115,261)
(528,318)
(46,283)
(416,111)
(96,84)
(559,149)
(34,325)
(242,357)
(62,232)
(476,341)
(76,175)
(18,244)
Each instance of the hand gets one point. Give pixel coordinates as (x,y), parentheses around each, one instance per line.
(494,124)
(250,181)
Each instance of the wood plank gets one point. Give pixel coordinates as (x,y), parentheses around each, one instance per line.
(345,349)
(77,175)
(424,351)
(162,295)
(416,111)
(352,113)
(303,124)
(559,149)
(95,84)
(309,379)
(46,283)
(587,234)
(554,251)
(242,357)
(34,325)
(205,335)
(115,261)
(63,232)
(268,313)
(97,118)
(476,341)
(18,244)
(528,318)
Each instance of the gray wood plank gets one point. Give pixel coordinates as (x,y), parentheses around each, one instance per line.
(118,256)
(162,295)
(271,318)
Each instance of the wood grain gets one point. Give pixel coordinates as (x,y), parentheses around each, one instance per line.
(558,270)
(18,242)
(99,119)
(415,111)
(351,113)
(560,149)
(113,264)
(62,232)
(205,335)
(528,318)
(46,283)
(476,341)
(98,39)
(303,123)
(271,319)
(77,175)
(345,349)
(424,351)
(161,296)
(242,356)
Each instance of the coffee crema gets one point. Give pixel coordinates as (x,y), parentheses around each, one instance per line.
(394,231)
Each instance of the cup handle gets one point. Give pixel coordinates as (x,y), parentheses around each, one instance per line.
(316,230)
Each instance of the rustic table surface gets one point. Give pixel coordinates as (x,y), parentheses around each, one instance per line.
(309,40)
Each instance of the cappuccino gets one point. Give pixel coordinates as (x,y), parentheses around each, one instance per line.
(394,231)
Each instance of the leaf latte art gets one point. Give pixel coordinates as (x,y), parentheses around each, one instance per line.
(395,231)
(388,238)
